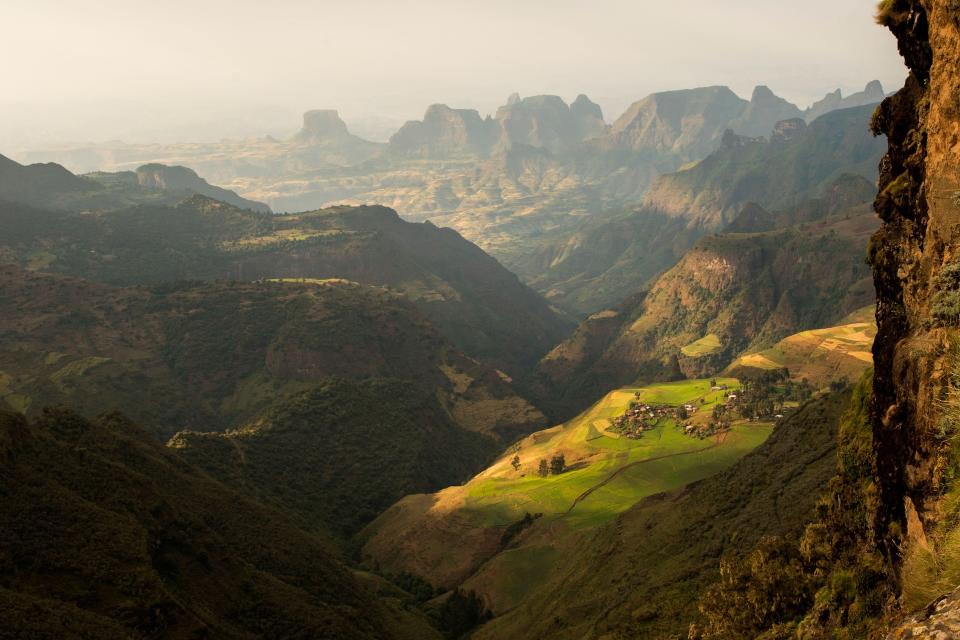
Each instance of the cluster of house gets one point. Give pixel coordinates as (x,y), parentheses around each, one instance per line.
(702,430)
(640,417)
(720,421)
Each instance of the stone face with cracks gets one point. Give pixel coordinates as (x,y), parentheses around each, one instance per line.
(940,621)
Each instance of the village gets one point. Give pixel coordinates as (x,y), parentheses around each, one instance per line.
(752,402)
(641,417)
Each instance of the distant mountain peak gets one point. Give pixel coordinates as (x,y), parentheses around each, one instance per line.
(323,124)
(874,89)
(584,106)
(871,94)
(762,93)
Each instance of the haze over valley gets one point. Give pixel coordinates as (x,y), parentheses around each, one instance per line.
(449,321)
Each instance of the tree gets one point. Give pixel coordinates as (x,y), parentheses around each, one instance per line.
(557,464)
(462,611)
(544,469)
(516,463)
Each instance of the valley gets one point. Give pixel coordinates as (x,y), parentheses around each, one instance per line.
(604,473)
(514,369)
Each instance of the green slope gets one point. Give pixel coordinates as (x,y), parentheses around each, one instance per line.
(641,575)
(457,532)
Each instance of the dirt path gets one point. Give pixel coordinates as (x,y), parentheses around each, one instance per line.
(239,449)
(583,496)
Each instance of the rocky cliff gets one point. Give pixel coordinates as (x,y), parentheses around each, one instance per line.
(914,258)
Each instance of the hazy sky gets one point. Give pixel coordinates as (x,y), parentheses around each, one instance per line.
(201,69)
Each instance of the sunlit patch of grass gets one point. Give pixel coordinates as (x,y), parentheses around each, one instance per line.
(705,346)
(607,473)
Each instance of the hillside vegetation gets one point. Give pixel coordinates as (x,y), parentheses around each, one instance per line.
(641,575)
(274,357)
(821,356)
(171,552)
(501,533)
(474,301)
(747,290)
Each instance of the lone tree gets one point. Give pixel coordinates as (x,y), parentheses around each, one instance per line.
(544,469)
(516,463)
(557,464)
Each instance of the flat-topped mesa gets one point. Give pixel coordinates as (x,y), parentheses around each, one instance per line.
(547,122)
(687,122)
(323,124)
(444,131)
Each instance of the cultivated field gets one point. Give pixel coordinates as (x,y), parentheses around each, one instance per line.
(820,355)
(459,532)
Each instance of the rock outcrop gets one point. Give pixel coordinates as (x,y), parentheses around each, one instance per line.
(688,123)
(547,122)
(763,112)
(915,259)
(323,124)
(787,130)
(939,621)
(918,240)
(444,132)
(183,180)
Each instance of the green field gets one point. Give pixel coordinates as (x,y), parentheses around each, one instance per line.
(608,473)
(705,346)
(455,535)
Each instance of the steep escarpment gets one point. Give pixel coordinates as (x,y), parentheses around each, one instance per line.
(888,522)
(610,256)
(794,164)
(732,292)
(914,258)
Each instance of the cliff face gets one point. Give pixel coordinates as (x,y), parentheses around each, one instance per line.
(913,256)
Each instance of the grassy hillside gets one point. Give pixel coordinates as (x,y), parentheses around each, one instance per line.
(640,576)
(341,453)
(480,534)
(107,534)
(352,369)
(821,356)
(747,290)
(472,299)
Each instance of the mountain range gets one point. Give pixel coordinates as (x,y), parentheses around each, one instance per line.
(504,407)
(178,236)
(537,169)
